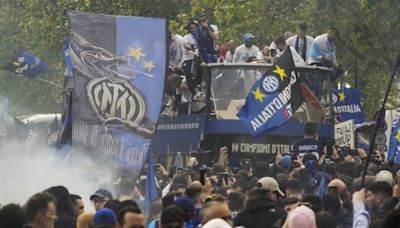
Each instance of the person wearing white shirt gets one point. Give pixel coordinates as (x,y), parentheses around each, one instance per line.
(301,42)
(230,46)
(281,46)
(246,52)
(190,50)
(175,51)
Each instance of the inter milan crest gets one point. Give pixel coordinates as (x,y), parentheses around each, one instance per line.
(270,84)
(116,100)
(334,98)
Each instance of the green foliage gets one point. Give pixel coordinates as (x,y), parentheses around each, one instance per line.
(369,31)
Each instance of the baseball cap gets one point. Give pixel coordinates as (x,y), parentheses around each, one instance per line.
(286,162)
(185,203)
(311,166)
(385,175)
(269,184)
(101,193)
(302,217)
(105,216)
(247,36)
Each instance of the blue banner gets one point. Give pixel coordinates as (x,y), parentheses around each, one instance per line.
(394,144)
(119,66)
(270,103)
(26,64)
(347,105)
(67,58)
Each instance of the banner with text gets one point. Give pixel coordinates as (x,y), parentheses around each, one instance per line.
(119,66)
(344,134)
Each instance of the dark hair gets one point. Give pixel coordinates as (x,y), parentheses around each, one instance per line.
(126,203)
(127,209)
(74,197)
(381,188)
(303,26)
(193,192)
(332,204)
(315,201)
(289,201)
(38,203)
(346,168)
(64,201)
(392,219)
(325,219)
(261,169)
(168,199)
(280,40)
(217,168)
(334,29)
(255,195)
(113,205)
(11,215)
(294,185)
(310,128)
(192,22)
(172,217)
(236,201)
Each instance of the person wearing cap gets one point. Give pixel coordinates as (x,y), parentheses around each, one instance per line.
(301,42)
(246,52)
(301,217)
(262,209)
(105,218)
(187,205)
(323,49)
(100,198)
(386,176)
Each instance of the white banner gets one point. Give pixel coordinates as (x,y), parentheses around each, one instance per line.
(344,134)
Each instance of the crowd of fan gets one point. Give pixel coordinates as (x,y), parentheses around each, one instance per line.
(286,192)
(295,190)
(201,44)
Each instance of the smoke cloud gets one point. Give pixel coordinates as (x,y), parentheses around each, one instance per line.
(30,167)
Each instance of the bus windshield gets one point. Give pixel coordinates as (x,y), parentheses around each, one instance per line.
(230,85)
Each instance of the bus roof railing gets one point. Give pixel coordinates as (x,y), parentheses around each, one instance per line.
(259,65)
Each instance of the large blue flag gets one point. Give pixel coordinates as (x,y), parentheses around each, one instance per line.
(26,64)
(270,103)
(347,105)
(119,65)
(151,192)
(394,144)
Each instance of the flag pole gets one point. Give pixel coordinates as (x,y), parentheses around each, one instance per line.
(49,83)
(377,121)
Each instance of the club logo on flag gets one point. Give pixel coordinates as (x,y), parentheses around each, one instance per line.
(126,102)
(270,84)
(347,105)
(26,64)
(119,72)
(270,103)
